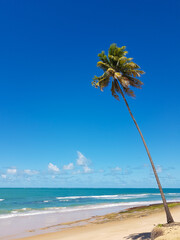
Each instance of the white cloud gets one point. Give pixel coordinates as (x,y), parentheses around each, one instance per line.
(12,170)
(81,160)
(3,176)
(159,169)
(76,172)
(84,162)
(87,169)
(117,169)
(30,172)
(70,166)
(53,167)
(146,165)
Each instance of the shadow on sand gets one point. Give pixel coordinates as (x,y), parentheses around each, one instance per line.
(139,236)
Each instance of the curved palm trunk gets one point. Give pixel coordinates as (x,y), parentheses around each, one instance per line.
(168,214)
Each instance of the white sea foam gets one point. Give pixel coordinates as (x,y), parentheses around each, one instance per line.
(120,196)
(173,194)
(167,194)
(73,197)
(21,210)
(117,206)
(2,200)
(14,211)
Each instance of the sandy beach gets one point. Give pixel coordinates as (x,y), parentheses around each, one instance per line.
(136,223)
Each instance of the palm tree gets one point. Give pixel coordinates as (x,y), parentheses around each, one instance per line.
(122,73)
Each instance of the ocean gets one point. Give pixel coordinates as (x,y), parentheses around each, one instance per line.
(32,201)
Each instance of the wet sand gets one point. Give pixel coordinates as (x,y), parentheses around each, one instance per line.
(136,223)
(40,222)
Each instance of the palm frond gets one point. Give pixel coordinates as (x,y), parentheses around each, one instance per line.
(123,71)
(134,82)
(120,52)
(102,81)
(137,73)
(113,91)
(129,92)
(116,85)
(103,57)
(116,51)
(124,82)
(112,49)
(122,60)
(131,65)
(103,66)
(113,60)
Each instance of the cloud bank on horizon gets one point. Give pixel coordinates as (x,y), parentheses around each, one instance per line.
(79,172)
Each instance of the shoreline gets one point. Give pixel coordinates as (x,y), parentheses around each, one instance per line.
(153,214)
(101,207)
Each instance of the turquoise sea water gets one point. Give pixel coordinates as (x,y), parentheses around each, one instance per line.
(32,201)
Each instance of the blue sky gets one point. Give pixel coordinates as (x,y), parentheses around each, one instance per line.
(56,130)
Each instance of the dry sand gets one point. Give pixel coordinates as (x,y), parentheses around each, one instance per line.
(134,225)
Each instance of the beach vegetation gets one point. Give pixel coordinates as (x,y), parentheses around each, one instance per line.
(122,74)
